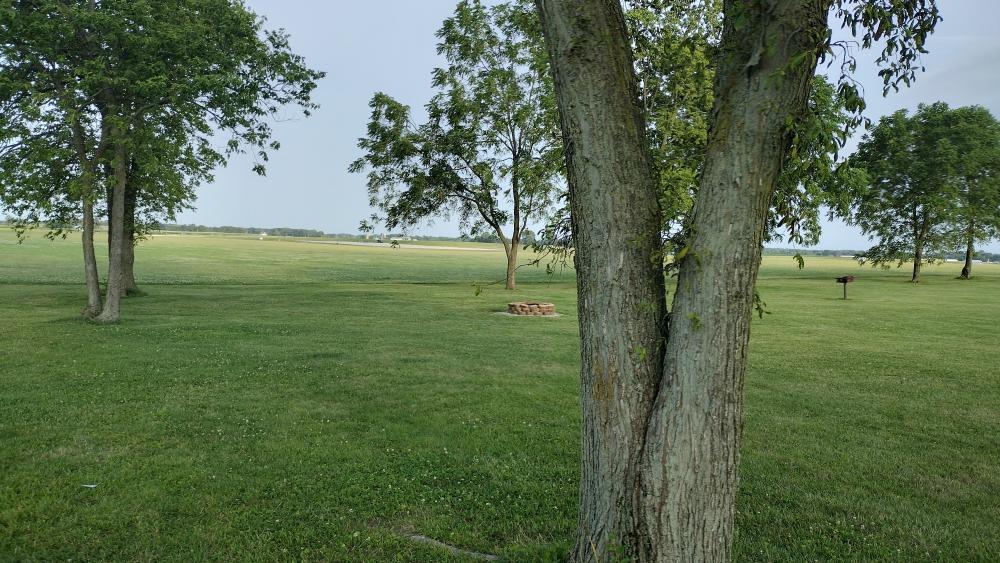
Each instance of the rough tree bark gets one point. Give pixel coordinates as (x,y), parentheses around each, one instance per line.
(661,438)
(116,231)
(615,214)
(691,459)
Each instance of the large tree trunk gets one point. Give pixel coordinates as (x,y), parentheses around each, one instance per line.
(661,439)
(691,459)
(90,260)
(112,300)
(615,213)
(970,250)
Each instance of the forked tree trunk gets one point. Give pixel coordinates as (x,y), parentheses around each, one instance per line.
(510,247)
(661,438)
(112,300)
(90,260)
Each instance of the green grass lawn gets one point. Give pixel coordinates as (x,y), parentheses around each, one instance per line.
(279,400)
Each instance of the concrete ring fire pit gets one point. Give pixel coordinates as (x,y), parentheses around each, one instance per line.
(531,309)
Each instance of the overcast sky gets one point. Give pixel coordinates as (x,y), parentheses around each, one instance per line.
(389,46)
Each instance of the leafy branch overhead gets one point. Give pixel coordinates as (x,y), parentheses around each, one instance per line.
(676,46)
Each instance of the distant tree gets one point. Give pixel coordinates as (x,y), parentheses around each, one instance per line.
(978,177)
(489,151)
(529,237)
(910,199)
(124,77)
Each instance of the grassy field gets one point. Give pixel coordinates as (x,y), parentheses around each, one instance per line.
(279,400)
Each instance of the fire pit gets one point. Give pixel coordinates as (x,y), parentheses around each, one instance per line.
(531,309)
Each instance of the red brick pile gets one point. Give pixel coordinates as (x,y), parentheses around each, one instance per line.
(531,308)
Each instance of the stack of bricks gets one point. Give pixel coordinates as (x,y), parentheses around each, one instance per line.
(531,309)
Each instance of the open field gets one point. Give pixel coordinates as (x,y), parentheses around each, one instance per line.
(277,400)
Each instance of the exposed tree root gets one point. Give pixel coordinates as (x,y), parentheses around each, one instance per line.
(453,550)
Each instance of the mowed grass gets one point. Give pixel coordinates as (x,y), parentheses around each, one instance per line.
(282,400)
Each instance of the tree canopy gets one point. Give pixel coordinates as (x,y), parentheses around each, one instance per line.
(102,91)
(675,46)
(929,177)
(489,152)
(978,177)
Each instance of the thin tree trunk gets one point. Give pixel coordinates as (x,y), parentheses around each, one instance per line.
(511,282)
(90,260)
(970,250)
(661,438)
(515,237)
(919,241)
(615,213)
(918,259)
(88,179)
(112,300)
(129,286)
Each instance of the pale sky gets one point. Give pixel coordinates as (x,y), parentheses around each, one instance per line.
(389,46)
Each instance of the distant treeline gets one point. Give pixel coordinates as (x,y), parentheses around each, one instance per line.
(955,255)
(276,231)
(529,236)
(295,232)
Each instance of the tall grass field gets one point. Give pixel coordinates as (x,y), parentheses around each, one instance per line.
(278,400)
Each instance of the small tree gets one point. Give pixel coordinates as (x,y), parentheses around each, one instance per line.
(489,151)
(910,199)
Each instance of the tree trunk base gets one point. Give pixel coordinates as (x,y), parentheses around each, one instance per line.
(106,319)
(135,292)
(89,313)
